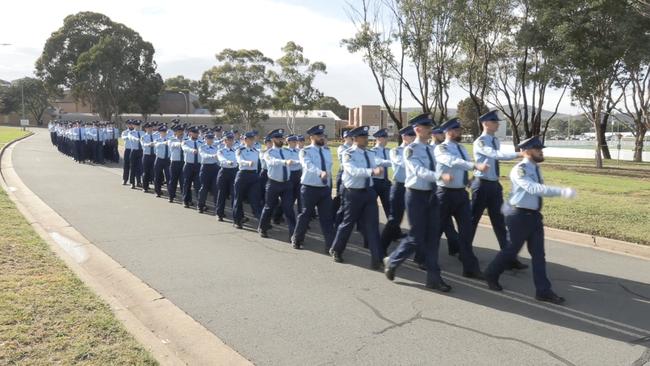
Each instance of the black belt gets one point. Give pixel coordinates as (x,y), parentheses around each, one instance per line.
(247,171)
(527,210)
(488,181)
(358,189)
(452,189)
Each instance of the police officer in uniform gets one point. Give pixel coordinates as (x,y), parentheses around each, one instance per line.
(128,144)
(148,142)
(316,189)
(337,204)
(392,229)
(192,166)
(295,170)
(382,184)
(360,199)
(176,161)
(247,180)
(264,173)
(209,170)
(135,157)
(227,173)
(422,206)
(161,164)
(525,222)
(278,185)
(486,189)
(452,159)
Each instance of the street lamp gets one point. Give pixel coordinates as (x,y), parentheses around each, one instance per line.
(187,103)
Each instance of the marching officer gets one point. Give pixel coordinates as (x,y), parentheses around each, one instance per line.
(486,189)
(135,157)
(176,161)
(316,189)
(525,222)
(192,166)
(359,198)
(161,164)
(209,170)
(247,180)
(148,142)
(337,203)
(227,173)
(437,138)
(264,173)
(78,137)
(452,158)
(295,170)
(382,184)
(392,229)
(422,206)
(278,185)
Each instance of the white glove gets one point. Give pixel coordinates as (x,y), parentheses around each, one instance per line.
(568,193)
(506,209)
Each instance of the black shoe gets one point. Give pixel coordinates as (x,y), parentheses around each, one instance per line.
(477,275)
(146,190)
(388,271)
(263,234)
(237,225)
(201,209)
(124,183)
(493,283)
(158,195)
(139,184)
(552,298)
(422,266)
(336,256)
(133,186)
(375,265)
(297,245)
(326,249)
(439,286)
(186,205)
(244,220)
(516,264)
(171,199)
(220,218)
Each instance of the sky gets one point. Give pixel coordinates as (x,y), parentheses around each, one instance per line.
(187,35)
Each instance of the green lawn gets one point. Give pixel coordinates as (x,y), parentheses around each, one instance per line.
(47,315)
(613,202)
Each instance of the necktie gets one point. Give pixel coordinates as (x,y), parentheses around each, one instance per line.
(385,170)
(181,150)
(139,144)
(322,163)
(365,155)
(259,163)
(151,140)
(98,134)
(79,133)
(284,168)
(539,180)
(462,155)
(196,154)
(496,162)
(166,150)
(431,166)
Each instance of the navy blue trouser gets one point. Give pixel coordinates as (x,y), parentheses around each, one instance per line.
(99,152)
(337,202)
(264,177)
(424,236)
(127,165)
(454,202)
(524,226)
(79,151)
(147,169)
(208,178)
(135,166)
(246,186)
(160,172)
(175,178)
(191,178)
(278,190)
(392,228)
(382,187)
(359,205)
(313,197)
(489,194)
(225,188)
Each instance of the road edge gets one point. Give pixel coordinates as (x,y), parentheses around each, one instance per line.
(170,334)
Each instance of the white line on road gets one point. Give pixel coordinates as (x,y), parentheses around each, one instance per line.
(583,288)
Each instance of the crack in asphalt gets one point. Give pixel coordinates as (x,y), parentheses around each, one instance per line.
(644,359)
(418,316)
(632,292)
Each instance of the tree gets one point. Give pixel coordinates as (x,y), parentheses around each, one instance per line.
(293,89)
(468,115)
(332,104)
(181,84)
(238,86)
(101,61)
(146,95)
(34,94)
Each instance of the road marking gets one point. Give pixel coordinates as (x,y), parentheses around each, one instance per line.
(584,288)
(641,300)
(74,249)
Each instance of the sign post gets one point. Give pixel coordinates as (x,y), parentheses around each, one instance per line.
(24,123)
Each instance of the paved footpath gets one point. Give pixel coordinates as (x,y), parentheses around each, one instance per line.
(279,306)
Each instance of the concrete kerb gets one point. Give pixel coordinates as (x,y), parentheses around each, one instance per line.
(171,335)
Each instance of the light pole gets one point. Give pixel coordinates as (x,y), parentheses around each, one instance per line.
(187,103)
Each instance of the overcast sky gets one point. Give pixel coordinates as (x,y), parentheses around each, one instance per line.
(187,35)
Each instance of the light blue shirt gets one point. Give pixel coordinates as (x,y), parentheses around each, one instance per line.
(132,139)
(487,149)
(420,166)
(357,168)
(248,158)
(339,152)
(161,148)
(382,159)
(189,146)
(312,158)
(77,134)
(148,142)
(294,154)
(227,157)
(209,154)
(451,159)
(276,162)
(528,186)
(397,161)
(175,150)
(95,134)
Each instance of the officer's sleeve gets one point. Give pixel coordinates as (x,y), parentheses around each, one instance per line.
(353,171)
(482,147)
(419,167)
(125,135)
(396,158)
(240,160)
(380,161)
(273,161)
(307,163)
(447,159)
(185,148)
(518,176)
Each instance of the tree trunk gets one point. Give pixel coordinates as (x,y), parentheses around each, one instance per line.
(638,142)
(601,140)
(598,127)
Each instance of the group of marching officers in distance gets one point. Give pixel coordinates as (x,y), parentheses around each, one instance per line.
(429,183)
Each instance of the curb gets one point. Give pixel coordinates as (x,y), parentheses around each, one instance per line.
(170,334)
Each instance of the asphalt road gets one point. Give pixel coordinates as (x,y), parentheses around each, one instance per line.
(279,306)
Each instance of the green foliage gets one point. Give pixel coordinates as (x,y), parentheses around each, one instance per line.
(332,104)
(181,84)
(468,115)
(35,98)
(104,63)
